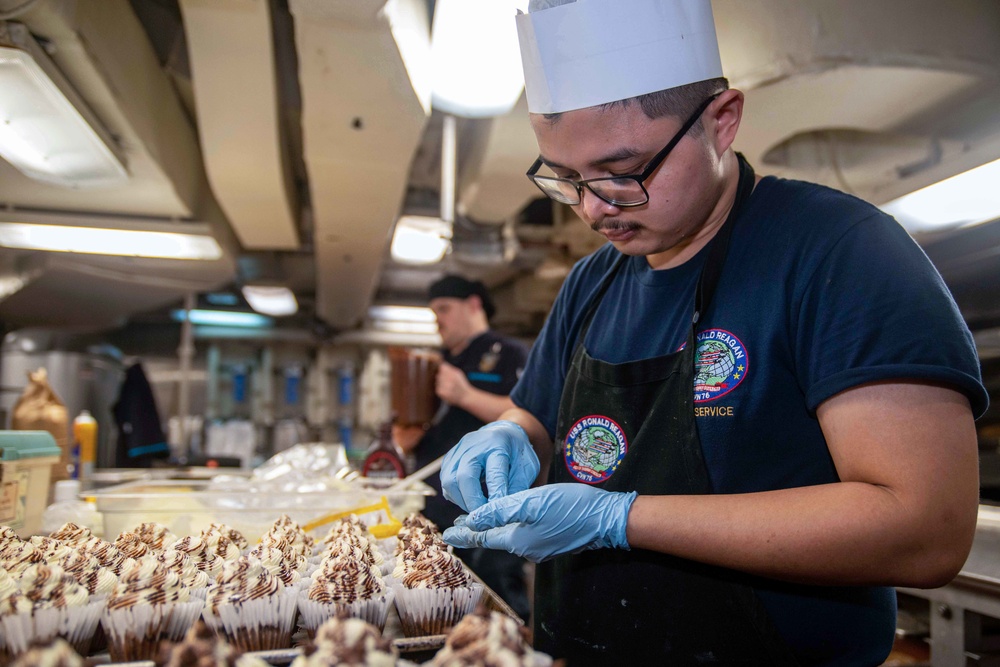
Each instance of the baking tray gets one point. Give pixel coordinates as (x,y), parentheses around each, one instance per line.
(407,646)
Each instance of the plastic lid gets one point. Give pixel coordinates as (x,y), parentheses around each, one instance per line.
(67,490)
(16,445)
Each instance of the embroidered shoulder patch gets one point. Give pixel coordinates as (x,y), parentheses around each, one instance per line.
(720,364)
(595,445)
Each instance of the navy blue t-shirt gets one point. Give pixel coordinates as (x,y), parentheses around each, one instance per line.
(820,292)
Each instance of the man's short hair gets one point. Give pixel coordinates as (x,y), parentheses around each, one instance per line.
(679,102)
(457,287)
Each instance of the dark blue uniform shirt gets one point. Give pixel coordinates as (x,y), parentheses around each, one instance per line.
(821,292)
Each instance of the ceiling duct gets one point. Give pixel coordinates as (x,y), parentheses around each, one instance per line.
(365,80)
(867,68)
(497,188)
(233,71)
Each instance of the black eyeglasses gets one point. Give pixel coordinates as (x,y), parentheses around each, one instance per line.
(615,190)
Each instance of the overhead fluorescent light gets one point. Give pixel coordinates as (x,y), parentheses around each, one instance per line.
(271,300)
(402,314)
(222,299)
(46,129)
(222,318)
(475,58)
(151,243)
(420,240)
(966,199)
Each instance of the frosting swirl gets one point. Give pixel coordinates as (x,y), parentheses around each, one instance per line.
(350,641)
(12,600)
(242,580)
(57,654)
(154,535)
(72,534)
(52,551)
(185,567)
(132,546)
(89,572)
(49,586)
(7,534)
(16,557)
(233,535)
(149,582)
(485,639)
(277,563)
(198,550)
(107,555)
(435,569)
(345,581)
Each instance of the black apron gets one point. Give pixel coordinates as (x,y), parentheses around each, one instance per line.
(631,427)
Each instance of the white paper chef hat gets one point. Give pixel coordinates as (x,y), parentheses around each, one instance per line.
(590,52)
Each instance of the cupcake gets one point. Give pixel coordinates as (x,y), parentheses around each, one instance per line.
(205,559)
(17,556)
(72,534)
(345,587)
(434,592)
(56,654)
(250,607)
(107,555)
(233,535)
(7,534)
(279,563)
(485,638)
(12,603)
(202,648)
(52,551)
(293,533)
(350,642)
(89,573)
(133,547)
(184,566)
(60,607)
(154,535)
(290,555)
(149,604)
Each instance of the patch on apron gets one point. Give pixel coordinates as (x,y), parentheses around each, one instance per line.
(720,364)
(595,445)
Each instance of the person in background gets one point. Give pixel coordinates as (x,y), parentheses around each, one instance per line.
(757,400)
(479,369)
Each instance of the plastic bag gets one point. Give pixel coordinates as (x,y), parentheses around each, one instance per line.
(40,409)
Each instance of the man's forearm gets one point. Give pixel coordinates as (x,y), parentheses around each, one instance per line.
(848,533)
(484,405)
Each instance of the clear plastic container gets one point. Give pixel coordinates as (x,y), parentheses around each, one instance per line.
(187,507)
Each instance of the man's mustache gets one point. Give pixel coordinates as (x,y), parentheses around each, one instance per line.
(615,225)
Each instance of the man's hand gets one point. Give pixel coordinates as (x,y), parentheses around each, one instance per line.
(499,451)
(542,523)
(451,385)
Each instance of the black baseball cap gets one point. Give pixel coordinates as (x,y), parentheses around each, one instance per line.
(457,287)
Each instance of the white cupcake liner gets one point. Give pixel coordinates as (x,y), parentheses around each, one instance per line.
(256,625)
(434,611)
(74,624)
(374,611)
(134,633)
(199,593)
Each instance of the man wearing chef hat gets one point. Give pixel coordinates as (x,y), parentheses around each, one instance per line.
(753,408)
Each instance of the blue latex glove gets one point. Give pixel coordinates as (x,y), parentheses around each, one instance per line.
(500,451)
(542,523)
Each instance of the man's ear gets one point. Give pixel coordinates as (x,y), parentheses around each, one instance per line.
(475,300)
(723,120)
